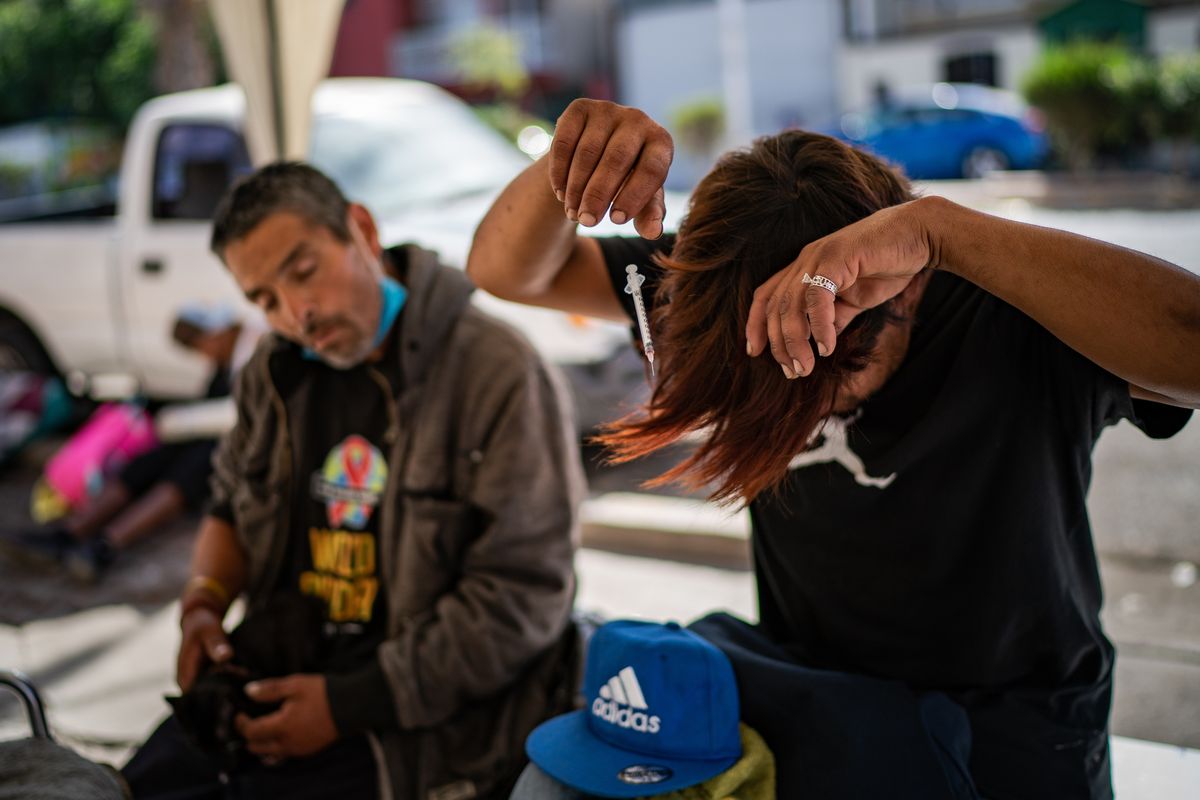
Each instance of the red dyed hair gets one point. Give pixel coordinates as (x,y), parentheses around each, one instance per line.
(748,219)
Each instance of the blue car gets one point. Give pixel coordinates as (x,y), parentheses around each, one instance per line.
(950,130)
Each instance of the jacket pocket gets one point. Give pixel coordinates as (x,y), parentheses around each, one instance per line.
(435,537)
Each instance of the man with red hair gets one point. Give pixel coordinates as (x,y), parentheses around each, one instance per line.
(904,391)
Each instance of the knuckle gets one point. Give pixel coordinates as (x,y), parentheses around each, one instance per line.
(576,106)
(620,152)
(589,151)
(656,164)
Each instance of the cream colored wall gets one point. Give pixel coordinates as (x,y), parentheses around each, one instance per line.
(921,59)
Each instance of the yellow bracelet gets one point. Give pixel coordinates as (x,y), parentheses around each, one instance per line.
(210,585)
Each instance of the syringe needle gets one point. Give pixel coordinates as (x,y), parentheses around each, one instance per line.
(633,286)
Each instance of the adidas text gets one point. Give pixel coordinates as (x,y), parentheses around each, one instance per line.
(625,717)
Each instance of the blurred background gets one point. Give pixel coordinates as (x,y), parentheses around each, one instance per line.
(120,129)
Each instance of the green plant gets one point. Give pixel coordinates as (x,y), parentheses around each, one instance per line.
(1139,105)
(699,125)
(1085,110)
(1179,81)
(92,58)
(488,58)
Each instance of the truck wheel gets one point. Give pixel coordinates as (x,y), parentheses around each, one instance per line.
(20,349)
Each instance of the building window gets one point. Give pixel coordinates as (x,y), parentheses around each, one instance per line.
(972,68)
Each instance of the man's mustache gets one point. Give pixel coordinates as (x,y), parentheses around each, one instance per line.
(316,328)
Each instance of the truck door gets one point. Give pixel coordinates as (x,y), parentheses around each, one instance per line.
(167,263)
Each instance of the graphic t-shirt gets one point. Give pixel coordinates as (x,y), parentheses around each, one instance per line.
(340,422)
(939,534)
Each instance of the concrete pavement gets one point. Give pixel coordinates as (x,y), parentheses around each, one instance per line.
(104,671)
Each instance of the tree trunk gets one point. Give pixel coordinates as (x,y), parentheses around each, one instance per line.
(184,58)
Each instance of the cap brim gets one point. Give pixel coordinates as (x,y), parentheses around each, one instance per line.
(566,750)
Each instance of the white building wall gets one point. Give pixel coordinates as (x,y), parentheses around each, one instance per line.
(670,55)
(667,56)
(921,59)
(1174,31)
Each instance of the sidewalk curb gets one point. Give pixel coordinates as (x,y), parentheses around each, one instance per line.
(670,528)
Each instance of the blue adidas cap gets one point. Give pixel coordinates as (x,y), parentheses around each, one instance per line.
(662,715)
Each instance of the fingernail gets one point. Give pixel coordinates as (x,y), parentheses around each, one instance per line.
(558,193)
(572,215)
(618,217)
(822,349)
(252,688)
(787,373)
(587,219)
(222,651)
(797,367)
(749,348)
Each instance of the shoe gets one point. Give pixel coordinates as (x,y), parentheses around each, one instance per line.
(88,560)
(41,547)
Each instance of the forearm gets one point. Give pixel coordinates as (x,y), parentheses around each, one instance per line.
(1134,315)
(217,557)
(524,240)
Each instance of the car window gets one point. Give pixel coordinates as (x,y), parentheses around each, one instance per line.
(412,156)
(194,164)
(58,168)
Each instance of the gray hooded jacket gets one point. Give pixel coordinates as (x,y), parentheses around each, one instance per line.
(477,534)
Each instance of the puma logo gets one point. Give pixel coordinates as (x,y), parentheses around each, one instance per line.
(835,447)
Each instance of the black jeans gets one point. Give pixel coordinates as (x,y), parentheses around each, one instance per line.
(167,767)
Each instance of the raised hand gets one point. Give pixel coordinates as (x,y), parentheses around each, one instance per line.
(606,156)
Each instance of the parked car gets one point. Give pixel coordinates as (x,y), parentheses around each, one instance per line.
(950,130)
(94,297)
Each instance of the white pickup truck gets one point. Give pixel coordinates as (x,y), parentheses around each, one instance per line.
(95,298)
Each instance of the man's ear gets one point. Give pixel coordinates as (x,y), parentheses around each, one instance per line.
(358,217)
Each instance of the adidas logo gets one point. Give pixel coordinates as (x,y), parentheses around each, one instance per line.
(622,703)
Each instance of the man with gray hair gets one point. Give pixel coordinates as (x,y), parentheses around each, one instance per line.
(408,462)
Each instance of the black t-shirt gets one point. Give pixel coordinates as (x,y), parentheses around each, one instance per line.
(339,422)
(939,535)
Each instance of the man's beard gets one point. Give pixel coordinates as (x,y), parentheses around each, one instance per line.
(348,357)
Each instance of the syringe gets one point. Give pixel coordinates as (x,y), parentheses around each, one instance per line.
(633,286)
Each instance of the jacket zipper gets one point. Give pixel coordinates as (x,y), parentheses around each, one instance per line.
(391,436)
(387,512)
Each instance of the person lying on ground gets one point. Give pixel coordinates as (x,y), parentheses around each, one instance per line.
(152,489)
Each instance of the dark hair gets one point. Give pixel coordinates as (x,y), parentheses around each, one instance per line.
(281,186)
(748,219)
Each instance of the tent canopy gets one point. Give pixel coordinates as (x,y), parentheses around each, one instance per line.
(277,50)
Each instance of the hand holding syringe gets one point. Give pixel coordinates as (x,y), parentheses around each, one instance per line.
(633,286)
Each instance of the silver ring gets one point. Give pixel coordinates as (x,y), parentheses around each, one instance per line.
(822,281)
